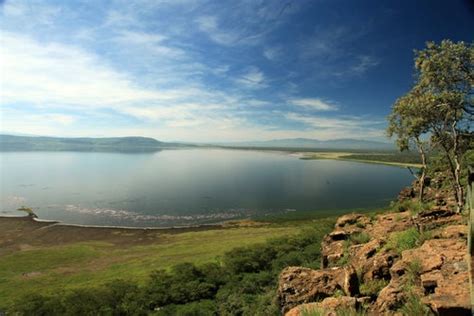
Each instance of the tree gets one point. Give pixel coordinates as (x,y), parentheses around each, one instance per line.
(409,125)
(441,104)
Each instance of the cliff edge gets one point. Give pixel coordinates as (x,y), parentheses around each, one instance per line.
(413,261)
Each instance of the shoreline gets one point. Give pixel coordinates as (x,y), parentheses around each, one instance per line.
(343,156)
(171,229)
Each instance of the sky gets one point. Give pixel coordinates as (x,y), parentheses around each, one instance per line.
(214,71)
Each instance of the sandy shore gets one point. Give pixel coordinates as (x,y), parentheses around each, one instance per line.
(25,230)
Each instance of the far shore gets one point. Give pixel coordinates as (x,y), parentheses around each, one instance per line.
(348,156)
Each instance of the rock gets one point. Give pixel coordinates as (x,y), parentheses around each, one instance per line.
(332,246)
(389,299)
(351,219)
(331,252)
(327,307)
(448,295)
(437,217)
(388,223)
(298,285)
(454,231)
(371,262)
(442,278)
(407,193)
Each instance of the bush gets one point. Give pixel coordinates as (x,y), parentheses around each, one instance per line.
(360,238)
(414,306)
(372,288)
(407,239)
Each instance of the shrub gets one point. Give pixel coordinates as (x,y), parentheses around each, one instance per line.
(373,287)
(414,306)
(413,272)
(360,238)
(404,240)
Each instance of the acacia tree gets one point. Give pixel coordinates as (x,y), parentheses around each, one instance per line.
(443,99)
(409,125)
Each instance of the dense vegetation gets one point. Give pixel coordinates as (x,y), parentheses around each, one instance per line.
(242,282)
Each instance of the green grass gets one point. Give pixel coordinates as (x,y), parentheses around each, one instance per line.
(407,239)
(360,238)
(57,268)
(414,206)
(373,287)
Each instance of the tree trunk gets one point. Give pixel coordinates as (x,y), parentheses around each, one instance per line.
(457,170)
(421,180)
(454,165)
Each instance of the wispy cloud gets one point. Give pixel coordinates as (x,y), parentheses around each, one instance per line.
(272,53)
(210,26)
(340,127)
(175,70)
(314,104)
(364,64)
(252,78)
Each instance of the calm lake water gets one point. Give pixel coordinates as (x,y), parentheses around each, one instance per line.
(186,186)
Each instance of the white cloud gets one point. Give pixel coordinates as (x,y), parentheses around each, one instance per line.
(59,75)
(272,53)
(209,25)
(152,43)
(364,63)
(340,127)
(314,104)
(252,78)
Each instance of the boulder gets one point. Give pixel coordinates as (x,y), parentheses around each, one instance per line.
(407,193)
(388,223)
(327,307)
(298,285)
(389,299)
(352,219)
(454,232)
(442,278)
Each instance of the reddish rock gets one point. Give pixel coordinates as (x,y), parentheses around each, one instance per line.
(454,231)
(407,193)
(298,285)
(388,223)
(352,219)
(327,307)
(389,299)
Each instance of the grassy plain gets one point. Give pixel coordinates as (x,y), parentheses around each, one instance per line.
(38,257)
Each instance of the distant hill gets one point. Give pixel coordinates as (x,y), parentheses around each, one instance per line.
(38,143)
(351,144)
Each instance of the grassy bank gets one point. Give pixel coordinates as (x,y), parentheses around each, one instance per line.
(392,159)
(47,259)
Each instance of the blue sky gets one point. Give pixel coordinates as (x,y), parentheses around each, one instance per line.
(214,70)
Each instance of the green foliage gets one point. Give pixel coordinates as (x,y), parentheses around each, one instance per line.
(243,284)
(373,287)
(360,238)
(414,206)
(413,272)
(404,240)
(414,306)
(116,298)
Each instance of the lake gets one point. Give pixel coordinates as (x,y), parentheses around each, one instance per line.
(187,186)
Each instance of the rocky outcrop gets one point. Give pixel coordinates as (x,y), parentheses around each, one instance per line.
(327,307)
(298,285)
(361,255)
